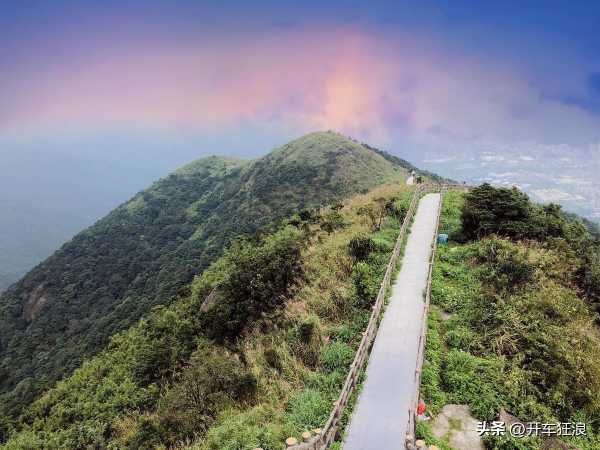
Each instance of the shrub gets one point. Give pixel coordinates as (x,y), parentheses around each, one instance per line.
(423,431)
(508,442)
(383,245)
(506,212)
(396,209)
(591,279)
(375,212)
(307,329)
(212,379)
(474,381)
(327,383)
(459,338)
(332,221)
(365,283)
(430,377)
(306,341)
(450,220)
(309,215)
(6,427)
(350,332)
(309,409)
(260,427)
(273,359)
(337,306)
(506,265)
(509,213)
(343,333)
(27,440)
(360,247)
(148,433)
(258,277)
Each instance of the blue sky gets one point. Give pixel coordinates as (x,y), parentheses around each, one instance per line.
(554,46)
(100,98)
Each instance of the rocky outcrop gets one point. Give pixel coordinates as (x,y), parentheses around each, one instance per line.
(35,302)
(210,301)
(455,424)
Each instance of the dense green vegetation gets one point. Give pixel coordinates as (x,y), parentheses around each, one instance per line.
(255,351)
(163,362)
(512,324)
(146,252)
(259,284)
(509,213)
(315,349)
(421,174)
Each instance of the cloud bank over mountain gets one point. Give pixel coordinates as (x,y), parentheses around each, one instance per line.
(132,90)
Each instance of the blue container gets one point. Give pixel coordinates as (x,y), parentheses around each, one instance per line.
(442,239)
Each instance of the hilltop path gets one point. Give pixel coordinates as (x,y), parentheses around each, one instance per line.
(381,414)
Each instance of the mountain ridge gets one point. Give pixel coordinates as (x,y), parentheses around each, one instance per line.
(148,249)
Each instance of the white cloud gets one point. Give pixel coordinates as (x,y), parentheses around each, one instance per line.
(556,195)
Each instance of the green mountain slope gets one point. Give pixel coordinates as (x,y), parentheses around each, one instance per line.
(254,352)
(513,324)
(146,251)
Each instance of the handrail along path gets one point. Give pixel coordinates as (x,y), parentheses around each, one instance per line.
(332,428)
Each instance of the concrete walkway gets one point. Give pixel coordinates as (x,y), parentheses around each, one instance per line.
(381,413)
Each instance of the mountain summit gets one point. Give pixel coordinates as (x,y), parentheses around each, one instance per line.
(145,252)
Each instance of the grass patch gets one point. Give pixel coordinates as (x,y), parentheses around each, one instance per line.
(507,330)
(322,325)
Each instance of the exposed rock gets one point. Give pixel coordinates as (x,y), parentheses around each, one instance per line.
(34,303)
(455,423)
(210,301)
(508,418)
(445,315)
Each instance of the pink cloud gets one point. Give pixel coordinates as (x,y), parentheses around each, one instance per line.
(348,79)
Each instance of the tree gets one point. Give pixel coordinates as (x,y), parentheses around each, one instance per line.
(374,212)
(332,221)
(212,379)
(506,212)
(259,276)
(360,247)
(591,279)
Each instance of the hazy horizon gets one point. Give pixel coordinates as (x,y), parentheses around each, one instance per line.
(99,100)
